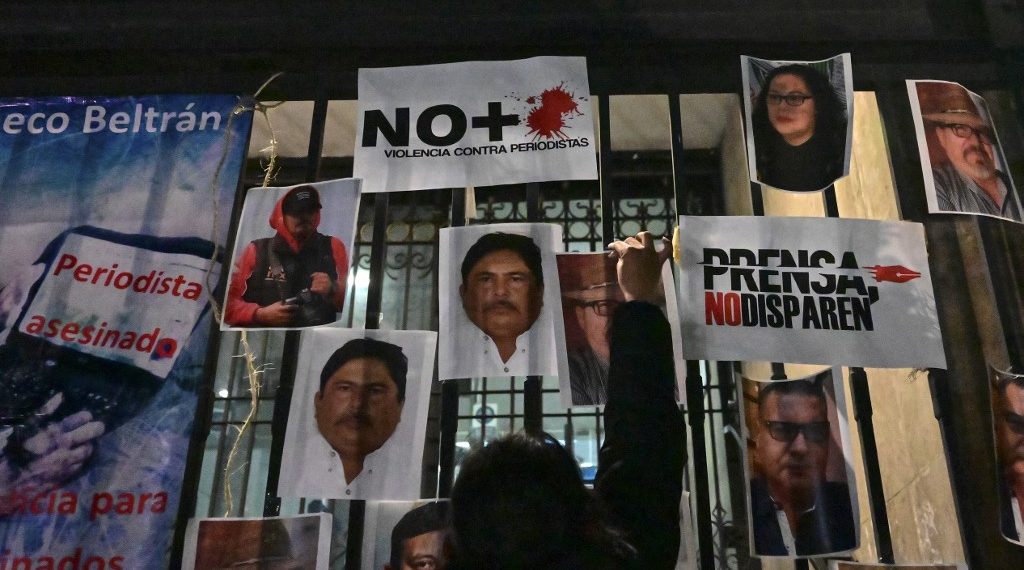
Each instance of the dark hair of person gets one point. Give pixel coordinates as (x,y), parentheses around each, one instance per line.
(519,503)
(421,520)
(812,388)
(499,241)
(389,354)
(829,125)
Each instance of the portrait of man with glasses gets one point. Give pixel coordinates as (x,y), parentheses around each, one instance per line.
(966,161)
(795,510)
(590,294)
(1008,405)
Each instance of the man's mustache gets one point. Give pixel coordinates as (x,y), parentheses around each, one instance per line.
(976,148)
(359,418)
(500,304)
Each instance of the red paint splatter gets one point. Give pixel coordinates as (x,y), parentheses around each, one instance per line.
(894,273)
(165,348)
(548,120)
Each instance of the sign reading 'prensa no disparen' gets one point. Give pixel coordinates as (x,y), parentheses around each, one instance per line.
(477,123)
(808,290)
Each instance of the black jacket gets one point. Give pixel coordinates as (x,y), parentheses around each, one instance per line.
(828,528)
(640,465)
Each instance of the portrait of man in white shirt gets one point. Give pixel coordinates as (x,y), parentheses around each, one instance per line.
(358,414)
(496,312)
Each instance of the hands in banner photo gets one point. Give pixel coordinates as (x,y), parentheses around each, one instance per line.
(50,452)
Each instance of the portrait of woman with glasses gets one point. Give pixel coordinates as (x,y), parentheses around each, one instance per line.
(798,122)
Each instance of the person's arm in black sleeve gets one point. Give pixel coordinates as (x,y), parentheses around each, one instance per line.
(640,465)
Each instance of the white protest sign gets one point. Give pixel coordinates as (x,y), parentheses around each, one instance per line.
(118,302)
(477,123)
(807,290)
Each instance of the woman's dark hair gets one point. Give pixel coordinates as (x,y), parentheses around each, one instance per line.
(520,503)
(829,126)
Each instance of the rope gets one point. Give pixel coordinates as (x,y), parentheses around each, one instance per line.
(253,371)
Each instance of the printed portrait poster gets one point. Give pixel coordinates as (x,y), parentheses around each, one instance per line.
(475,123)
(294,543)
(807,290)
(292,256)
(500,306)
(1007,390)
(802,494)
(844,565)
(108,230)
(358,414)
(965,170)
(799,121)
(590,295)
(406,534)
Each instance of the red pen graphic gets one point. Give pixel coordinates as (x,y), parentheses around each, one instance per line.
(894,273)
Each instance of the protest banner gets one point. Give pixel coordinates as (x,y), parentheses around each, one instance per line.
(807,290)
(108,231)
(476,123)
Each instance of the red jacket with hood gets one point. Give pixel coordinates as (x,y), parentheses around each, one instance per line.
(238,311)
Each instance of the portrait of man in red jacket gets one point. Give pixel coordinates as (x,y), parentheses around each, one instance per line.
(295,278)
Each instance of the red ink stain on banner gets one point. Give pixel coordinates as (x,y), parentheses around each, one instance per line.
(893,273)
(548,119)
(165,348)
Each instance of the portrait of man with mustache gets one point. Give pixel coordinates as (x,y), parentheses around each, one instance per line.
(359,404)
(358,414)
(964,153)
(502,292)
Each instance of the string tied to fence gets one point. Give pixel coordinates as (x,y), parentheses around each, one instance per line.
(253,369)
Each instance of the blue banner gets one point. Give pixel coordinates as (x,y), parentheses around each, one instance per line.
(108,219)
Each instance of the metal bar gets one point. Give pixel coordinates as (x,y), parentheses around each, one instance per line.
(828,195)
(694,381)
(205,397)
(695,417)
(533,402)
(605,170)
(756,199)
(1006,284)
(374,303)
(290,351)
(450,388)
(869,450)
(861,394)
